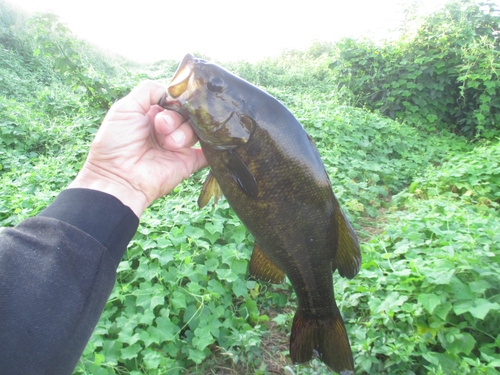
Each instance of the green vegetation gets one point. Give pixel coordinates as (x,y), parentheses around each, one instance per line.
(443,73)
(423,197)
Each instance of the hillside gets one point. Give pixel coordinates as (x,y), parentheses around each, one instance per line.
(420,181)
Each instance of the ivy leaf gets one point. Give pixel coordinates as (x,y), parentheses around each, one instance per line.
(479,307)
(239,266)
(197,356)
(462,343)
(240,288)
(164,257)
(212,264)
(194,232)
(227,274)
(443,310)
(482,307)
(429,301)
(178,300)
(130,351)
(152,358)
(166,328)
(390,302)
(147,317)
(150,297)
(145,337)
(112,350)
(202,337)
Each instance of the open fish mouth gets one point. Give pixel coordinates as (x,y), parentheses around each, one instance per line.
(182,77)
(183,84)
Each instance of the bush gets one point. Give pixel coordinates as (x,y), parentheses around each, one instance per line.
(444,74)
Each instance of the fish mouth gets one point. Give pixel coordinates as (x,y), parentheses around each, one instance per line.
(183,84)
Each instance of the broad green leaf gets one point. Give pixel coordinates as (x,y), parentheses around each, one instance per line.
(178,300)
(482,307)
(462,343)
(166,329)
(98,359)
(148,337)
(123,266)
(131,351)
(280,319)
(202,337)
(214,325)
(147,244)
(240,288)
(197,356)
(150,297)
(193,232)
(215,227)
(429,301)
(227,274)
(479,286)
(462,306)
(147,317)
(152,358)
(163,256)
(391,302)
(212,264)
(239,266)
(443,310)
(479,307)
(112,350)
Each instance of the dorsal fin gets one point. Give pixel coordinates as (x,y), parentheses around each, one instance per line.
(263,268)
(210,187)
(348,255)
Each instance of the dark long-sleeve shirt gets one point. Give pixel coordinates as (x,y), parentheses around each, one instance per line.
(57,271)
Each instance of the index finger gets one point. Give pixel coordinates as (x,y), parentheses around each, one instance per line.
(141,98)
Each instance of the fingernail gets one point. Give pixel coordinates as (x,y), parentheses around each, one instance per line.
(168,119)
(178,136)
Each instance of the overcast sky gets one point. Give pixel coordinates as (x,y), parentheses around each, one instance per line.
(151,30)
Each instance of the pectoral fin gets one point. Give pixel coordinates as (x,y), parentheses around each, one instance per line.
(210,187)
(240,173)
(262,268)
(348,255)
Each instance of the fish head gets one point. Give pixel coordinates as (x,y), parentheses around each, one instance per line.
(213,99)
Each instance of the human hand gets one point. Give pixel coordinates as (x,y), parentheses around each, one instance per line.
(141,151)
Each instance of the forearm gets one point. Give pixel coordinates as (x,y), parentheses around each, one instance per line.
(57,271)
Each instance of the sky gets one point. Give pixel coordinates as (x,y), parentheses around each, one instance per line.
(151,30)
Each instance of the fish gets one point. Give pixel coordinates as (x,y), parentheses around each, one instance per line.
(271,173)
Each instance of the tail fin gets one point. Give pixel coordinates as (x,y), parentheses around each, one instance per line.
(327,338)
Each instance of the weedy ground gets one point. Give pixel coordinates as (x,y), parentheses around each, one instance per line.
(423,200)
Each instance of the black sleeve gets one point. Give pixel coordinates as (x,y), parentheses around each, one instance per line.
(57,271)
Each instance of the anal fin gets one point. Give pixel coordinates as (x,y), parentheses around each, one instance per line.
(262,268)
(348,255)
(210,187)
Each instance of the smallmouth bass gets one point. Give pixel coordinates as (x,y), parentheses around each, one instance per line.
(271,173)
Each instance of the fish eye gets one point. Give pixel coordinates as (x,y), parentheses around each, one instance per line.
(216,84)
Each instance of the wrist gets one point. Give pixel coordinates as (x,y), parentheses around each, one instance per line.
(93,178)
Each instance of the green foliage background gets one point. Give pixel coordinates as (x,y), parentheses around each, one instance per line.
(408,131)
(444,72)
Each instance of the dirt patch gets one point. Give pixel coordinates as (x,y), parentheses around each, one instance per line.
(274,345)
(373,226)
